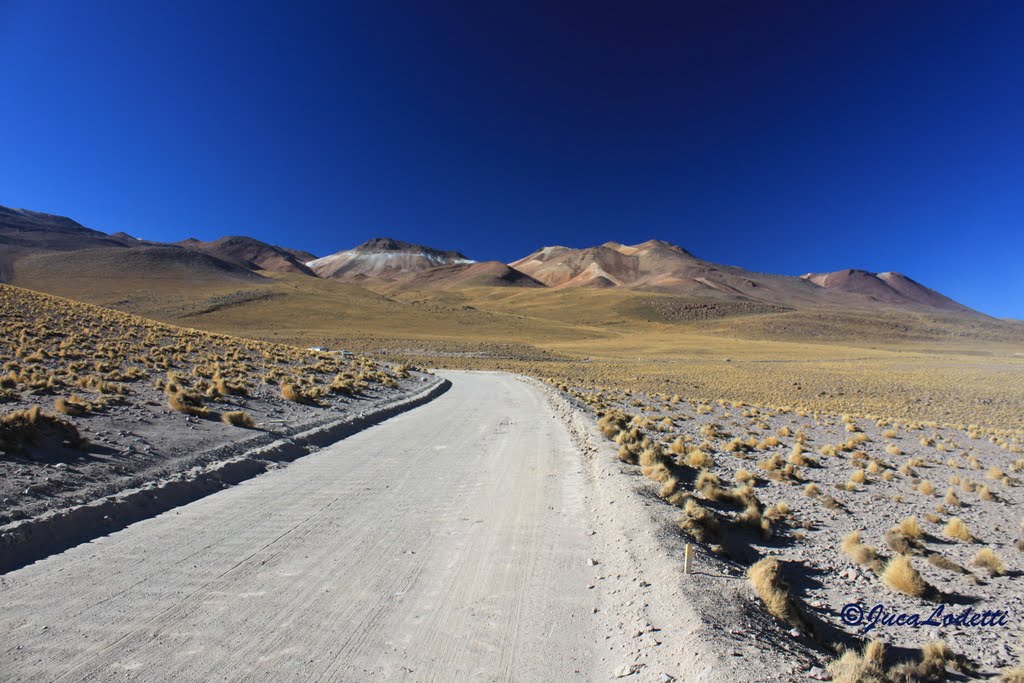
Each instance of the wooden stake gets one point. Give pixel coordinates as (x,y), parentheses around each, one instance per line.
(688,559)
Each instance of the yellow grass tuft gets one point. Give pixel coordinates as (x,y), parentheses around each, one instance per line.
(900,575)
(764,576)
(957,528)
(1013,675)
(951,498)
(860,553)
(290,392)
(987,559)
(867,666)
(910,528)
(238,418)
(698,521)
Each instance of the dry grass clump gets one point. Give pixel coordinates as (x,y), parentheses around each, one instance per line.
(73,406)
(910,528)
(745,476)
(700,522)
(698,459)
(866,555)
(986,558)
(868,665)
(893,449)
(188,403)
(900,575)
(21,429)
(238,418)
(951,498)
(957,528)
(778,512)
(926,488)
(1014,675)
(765,577)
(291,392)
(985,494)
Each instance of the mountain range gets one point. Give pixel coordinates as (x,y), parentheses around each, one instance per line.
(35,246)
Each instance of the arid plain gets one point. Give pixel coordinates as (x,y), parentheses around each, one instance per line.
(834,446)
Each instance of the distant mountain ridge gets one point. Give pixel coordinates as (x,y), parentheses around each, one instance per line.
(655,265)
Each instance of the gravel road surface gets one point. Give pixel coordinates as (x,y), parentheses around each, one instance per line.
(448,543)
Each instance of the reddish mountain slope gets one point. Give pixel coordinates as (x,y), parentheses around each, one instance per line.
(250,253)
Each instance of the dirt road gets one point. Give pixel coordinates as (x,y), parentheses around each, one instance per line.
(448,543)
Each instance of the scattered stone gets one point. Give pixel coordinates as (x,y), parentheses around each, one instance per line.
(627,670)
(819,674)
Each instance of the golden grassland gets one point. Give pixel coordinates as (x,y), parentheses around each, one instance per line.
(63,356)
(906,365)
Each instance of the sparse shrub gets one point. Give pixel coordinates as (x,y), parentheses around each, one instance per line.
(188,403)
(291,392)
(1012,675)
(860,553)
(701,523)
(778,512)
(910,527)
(698,459)
(745,476)
(926,488)
(986,558)
(765,577)
(867,666)
(238,418)
(21,429)
(957,528)
(900,575)
(72,406)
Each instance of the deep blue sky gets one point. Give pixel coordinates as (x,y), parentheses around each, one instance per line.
(778,136)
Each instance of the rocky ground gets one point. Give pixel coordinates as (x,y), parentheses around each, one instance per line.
(820,478)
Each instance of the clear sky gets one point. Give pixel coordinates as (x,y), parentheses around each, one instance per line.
(781,136)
